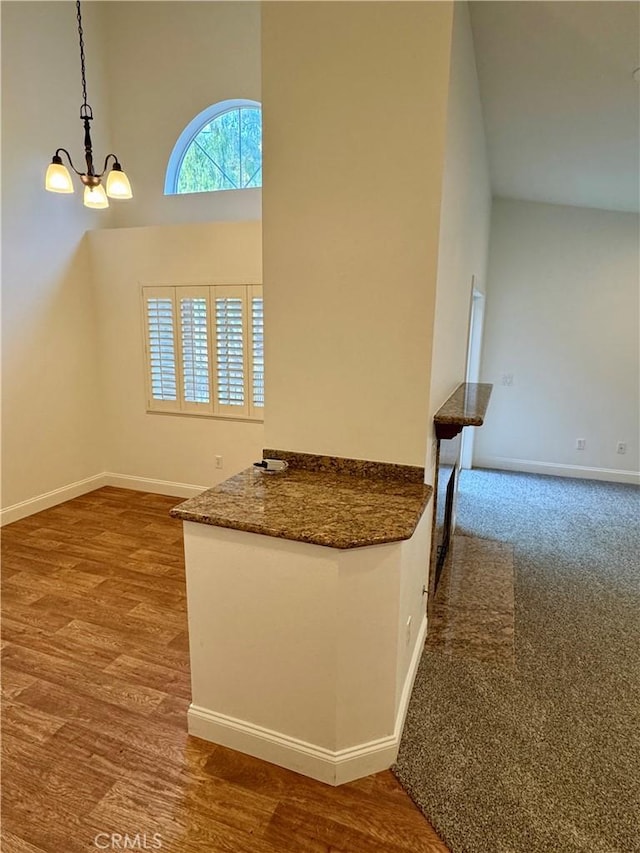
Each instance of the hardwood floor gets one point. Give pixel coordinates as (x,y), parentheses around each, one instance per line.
(95,752)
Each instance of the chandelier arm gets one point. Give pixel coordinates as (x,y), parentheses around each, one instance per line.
(106,160)
(64,151)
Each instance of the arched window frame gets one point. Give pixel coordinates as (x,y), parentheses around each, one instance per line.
(189,134)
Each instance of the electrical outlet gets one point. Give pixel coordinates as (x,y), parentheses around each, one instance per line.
(218,461)
(621,447)
(408,636)
(581,443)
(507,378)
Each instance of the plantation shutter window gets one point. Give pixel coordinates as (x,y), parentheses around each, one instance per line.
(205,349)
(161,350)
(231,349)
(194,348)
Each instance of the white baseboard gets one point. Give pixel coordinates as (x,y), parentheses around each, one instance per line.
(157,487)
(555,469)
(407,689)
(81,487)
(49,499)
(331,767)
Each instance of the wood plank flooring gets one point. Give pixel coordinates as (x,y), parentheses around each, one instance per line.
(95,690)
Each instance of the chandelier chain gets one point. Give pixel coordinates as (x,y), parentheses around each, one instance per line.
(80,35)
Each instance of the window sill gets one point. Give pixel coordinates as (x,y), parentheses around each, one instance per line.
(241,418)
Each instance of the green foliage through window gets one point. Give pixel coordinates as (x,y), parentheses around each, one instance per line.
(225,154)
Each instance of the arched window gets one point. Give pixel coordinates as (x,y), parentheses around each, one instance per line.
(220,149)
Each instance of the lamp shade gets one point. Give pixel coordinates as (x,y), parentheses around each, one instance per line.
(58,179)
(95,197)
(118,185)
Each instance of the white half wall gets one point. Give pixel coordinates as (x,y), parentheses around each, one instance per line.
(166,447)
(300,654)
(563,321)
(464,218)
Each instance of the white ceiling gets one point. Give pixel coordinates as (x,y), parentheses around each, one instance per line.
(561,109)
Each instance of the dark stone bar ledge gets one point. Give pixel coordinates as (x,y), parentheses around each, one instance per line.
(467,406)
(337,503)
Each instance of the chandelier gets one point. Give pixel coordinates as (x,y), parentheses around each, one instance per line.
(58,179)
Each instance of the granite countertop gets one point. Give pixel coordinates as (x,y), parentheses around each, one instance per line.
(467,406)
(338,503)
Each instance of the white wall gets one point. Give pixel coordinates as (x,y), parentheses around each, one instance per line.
(562,317)
(174,448)
(414,577)
(465,216)
(62,332)
(167,62)
(355,99)
(52,434)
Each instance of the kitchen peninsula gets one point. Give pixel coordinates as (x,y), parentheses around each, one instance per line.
(306,614)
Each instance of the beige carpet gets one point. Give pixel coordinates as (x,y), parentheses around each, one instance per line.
(546,758)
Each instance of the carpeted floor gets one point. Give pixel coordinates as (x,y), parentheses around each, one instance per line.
(546,758)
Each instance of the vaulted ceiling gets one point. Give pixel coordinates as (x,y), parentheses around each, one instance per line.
(561,108)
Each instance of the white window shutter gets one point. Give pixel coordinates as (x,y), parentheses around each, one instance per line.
(231,350)
(205,349)
(160,337)
(195,349)
(256,352)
